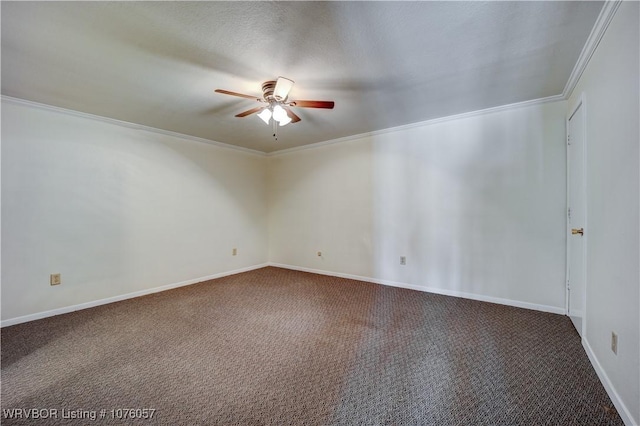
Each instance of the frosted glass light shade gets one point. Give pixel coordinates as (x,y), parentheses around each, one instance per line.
(283,86)
(265,115)
(284,122)
(279,114)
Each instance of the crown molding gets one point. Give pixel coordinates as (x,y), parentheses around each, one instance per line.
(599,28)
(127,124)
(554,98)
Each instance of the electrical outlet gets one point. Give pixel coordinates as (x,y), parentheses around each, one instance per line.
(234,252)
(54,279)
(403,260)
(614,343)
(319,254)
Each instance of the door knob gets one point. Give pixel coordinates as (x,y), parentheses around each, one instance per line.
(575,231)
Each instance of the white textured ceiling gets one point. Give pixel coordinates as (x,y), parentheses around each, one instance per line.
(384,64)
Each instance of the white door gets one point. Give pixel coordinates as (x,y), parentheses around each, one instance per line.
(576,217)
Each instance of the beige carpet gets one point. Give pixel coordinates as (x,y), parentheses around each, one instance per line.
(276,347)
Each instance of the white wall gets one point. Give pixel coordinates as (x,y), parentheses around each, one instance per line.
(610,87)
(320,199)
(475,204)
(117,210)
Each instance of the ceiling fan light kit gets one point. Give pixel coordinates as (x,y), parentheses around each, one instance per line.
(276,94)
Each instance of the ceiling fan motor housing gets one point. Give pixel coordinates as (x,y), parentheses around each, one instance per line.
(268,88)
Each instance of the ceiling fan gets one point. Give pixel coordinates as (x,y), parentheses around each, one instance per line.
(275,94)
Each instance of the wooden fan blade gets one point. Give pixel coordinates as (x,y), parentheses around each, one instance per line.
(294,118)
(240,95)
(283,86)
(312,104)
(249,112)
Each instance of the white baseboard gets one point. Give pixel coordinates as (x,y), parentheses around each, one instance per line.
(482,298)
(622,409)
(67,309)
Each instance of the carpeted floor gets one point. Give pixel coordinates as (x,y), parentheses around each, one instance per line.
(274,346)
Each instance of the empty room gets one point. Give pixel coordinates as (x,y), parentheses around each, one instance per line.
(320,213)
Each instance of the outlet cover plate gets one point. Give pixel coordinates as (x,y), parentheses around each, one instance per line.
(54,279)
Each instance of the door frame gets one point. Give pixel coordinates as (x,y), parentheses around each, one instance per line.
(580,104)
